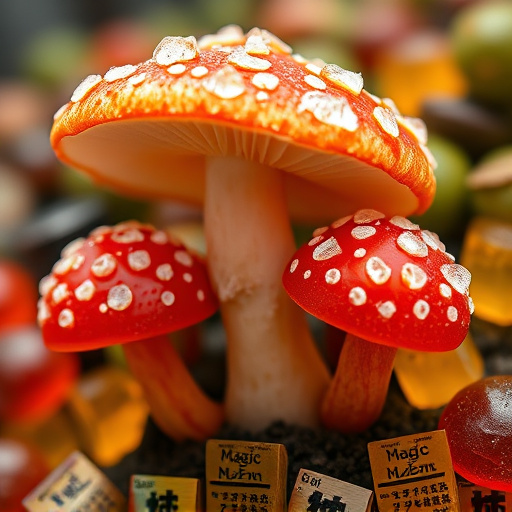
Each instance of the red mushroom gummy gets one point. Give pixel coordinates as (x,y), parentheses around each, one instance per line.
(478,425)
(132,283)
(389,285)
(238,123)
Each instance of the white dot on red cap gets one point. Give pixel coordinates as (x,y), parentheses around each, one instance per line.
(118,72)
(137,79)
(452,314)
(139,260)
(184,258)
(175,49)
(72,247)
(164,272)
(226,83)
(445,291)
(339,222)
(386,309)
(360,253)
(262,96)
(85,86)
(85,291)
(242,59)
(293,265)
(167,298)
(362,232)
(104,265)
(119,297)
(332,276)
(159,237)
(187,277)
(43,311)
(199,71)
(413,277)
(307,274)
(200,295)
(316,239)
(177,69)
(315,82)
(46,284)
(343,78)
(66,318)
(421,309)
(265,81)
(327,249)
(103,308)
(60,293)
(64,265)
(387,120)
(357,296)
(367,215)
(127,237)
(471,305)
(411,244)
(403,223)
(377,270)
(458,276)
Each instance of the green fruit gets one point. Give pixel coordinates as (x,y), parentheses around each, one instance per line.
(447,214)
(482,45)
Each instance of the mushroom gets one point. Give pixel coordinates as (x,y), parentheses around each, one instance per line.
(389,284)
(237,123)
(131,284)
(478,425)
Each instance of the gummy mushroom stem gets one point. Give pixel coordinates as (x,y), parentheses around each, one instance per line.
(274,369)
(178,405)
(358,391)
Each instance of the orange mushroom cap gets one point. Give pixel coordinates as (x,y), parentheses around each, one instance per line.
(146,129)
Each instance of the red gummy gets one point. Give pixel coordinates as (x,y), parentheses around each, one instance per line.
(478,424)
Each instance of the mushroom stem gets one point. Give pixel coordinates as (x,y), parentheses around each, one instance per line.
(178,405)
(358,391)
(274,370)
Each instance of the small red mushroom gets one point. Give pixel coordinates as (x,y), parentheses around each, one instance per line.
(131,284)
(389,285)
(478,425)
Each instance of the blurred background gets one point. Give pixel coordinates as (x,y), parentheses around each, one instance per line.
(446,61)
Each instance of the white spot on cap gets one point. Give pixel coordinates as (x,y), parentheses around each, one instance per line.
(137,79)
(411,244)
(104,265)
(417,127)
(187,277)
(43,312)
(139,260)
(60,293)
(46,284)
(177,69)
(66,319)
(164,272)
(432,240)
(85,86)
(307,274)
(85,291)
(184,258)
(471,305)
(387,120)
(262,96)
(445,291)
(338,223)
(129,236)
(377,270)
(199,71)
(315,240)
(266,81)
(314,81)
(175,49)
(159,237)
(421,309)
(226,83)
(360,253)
(119,297)
(293,265)
(332,276)
(362,232)
(103,308)
(200,295)
(329,110)
(403,223)
(64,265)
(367,215)
(386,309)
(452,313)
(243,60)
(118,72)
(313,68)
(343,78)
(326,250)
(167,298)
(458,276)
(256,46)
(413,277)
(357,296)
(72,247)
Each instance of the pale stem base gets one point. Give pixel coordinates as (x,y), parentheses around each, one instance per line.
(274,370)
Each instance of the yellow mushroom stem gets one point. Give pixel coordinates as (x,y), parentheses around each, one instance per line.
(274,369)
